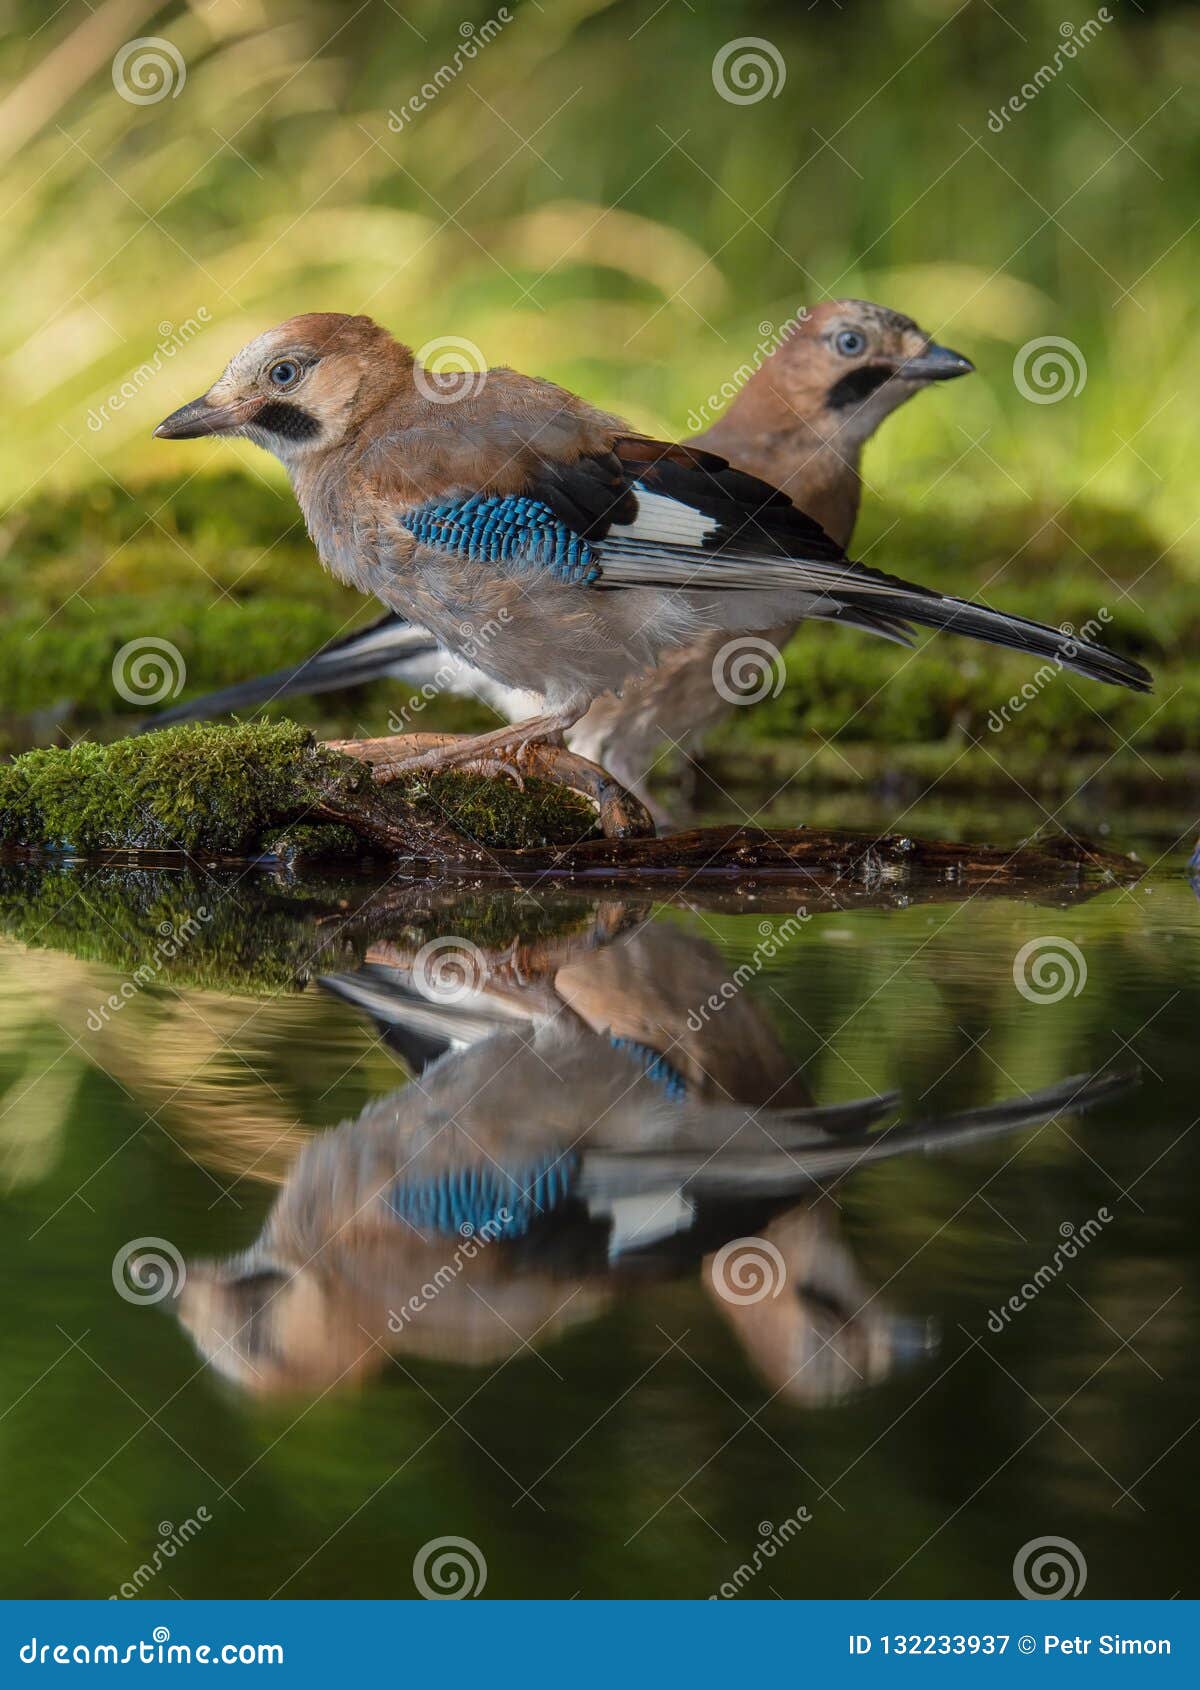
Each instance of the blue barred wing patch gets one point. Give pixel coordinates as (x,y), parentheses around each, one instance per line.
(654,1065)
(494,1202)
(505,529)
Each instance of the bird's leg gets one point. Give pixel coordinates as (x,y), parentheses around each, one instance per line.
(619,813)
(460,749)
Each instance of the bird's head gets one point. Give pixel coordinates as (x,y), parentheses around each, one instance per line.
(298,388)
(271,1328)
(850,363)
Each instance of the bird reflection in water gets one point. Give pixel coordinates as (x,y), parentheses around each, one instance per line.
(572,1130)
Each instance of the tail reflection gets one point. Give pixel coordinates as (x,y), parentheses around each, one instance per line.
(573,1128)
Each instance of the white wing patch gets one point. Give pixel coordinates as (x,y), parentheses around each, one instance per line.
(666,520)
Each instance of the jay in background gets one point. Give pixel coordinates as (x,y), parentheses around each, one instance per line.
(564,552)
(800,422)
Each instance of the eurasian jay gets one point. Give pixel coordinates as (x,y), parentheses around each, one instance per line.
(800,422)
(571,1135)
(563,552)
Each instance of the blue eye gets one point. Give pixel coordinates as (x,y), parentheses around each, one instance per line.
(284,373)
(850,343)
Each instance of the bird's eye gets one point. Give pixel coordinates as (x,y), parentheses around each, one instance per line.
(850,343)
(284,373)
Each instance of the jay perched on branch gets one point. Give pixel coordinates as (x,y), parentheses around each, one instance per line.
(800,422)
(564,552)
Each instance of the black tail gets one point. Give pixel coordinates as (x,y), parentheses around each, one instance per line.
(1062,647)
(371,654)
(867,597)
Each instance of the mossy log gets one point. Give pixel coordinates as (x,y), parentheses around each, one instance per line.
(240,791)
(237,790)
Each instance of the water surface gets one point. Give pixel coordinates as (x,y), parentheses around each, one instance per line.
(952,1332)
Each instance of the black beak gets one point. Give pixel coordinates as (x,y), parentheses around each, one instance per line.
(200,417)
(936,363)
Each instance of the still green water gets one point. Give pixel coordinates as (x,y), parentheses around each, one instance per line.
(615,1396)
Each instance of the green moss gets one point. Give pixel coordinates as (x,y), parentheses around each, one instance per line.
(215,789)
(494,920)
(196,788)
(324,839)
(162,927)
(498,813)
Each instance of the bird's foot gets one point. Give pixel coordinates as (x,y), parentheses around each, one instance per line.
(506,746)
(516,753)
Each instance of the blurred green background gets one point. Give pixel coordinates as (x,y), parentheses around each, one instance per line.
(580,201)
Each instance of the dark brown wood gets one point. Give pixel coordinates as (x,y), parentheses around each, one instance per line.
(732,856)
(798,854)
